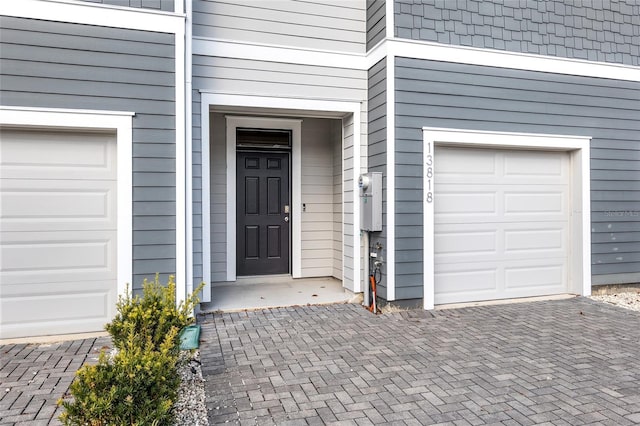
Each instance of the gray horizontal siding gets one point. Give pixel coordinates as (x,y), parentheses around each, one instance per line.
(198,275)
(605,31)
(277,79)
(61,65)
(165,5)
(460,96)
(335,25)
(377,148)
(376,22)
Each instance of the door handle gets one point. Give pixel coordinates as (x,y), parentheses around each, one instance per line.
(286,219)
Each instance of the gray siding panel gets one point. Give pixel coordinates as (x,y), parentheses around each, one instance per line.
(377,147)
(376,22)
(198,274)
(334,25)
(604,31)
(61,65)
(460,96)
(164,5)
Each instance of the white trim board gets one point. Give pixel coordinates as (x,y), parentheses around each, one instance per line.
(122,123)
(184,240)
(417,49)
(81,12)
(390,262)
(208,100)
(580,211)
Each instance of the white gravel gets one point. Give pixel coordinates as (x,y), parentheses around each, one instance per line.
(628,299)
(190,409)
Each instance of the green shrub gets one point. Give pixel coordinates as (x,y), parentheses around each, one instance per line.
(139,384)
(154,314)
(137,387)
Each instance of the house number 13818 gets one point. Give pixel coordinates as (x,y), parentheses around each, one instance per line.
(429,172)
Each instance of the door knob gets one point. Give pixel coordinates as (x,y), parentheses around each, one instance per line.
(286,219)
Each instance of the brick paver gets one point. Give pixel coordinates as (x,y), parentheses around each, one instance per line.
(564,362)
(34,376)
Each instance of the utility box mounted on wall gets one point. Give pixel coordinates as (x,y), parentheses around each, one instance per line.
(371,201)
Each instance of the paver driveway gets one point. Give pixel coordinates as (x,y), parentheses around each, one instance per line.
(34,376)
(562,362)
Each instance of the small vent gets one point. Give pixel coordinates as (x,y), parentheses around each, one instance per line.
(263,138)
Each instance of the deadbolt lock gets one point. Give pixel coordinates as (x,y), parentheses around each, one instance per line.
(286,209)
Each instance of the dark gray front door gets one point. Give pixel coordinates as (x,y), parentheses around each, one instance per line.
(262,216)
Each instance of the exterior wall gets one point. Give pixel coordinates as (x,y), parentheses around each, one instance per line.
(376,22)
(440,94)
(164,5)
(377,147)
(337,237)
(218,206)
(243,76)
(594,30)
(318,196)
(60,65)
(334,25)
(196,184)
(274,79)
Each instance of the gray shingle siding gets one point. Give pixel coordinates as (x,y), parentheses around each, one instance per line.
(440,94)
(377,146)
(376,22)
(164,5)
(61,65)
(607,31)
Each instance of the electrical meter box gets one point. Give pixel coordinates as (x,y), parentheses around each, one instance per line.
(371,201)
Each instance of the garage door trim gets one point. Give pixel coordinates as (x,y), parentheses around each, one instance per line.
(579,279)
(120,122)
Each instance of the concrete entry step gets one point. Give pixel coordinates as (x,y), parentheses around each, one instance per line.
(274,291)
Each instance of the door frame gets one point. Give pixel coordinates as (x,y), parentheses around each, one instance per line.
(351,114)
(295,126)
(579,268)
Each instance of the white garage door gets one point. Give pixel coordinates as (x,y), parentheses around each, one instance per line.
(501,224)
(58,232)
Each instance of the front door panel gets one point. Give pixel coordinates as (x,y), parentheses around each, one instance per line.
(262,224)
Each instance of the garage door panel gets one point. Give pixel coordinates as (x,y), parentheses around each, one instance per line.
(485,280)
(54,256)
(535,240)
(539,203)
(474,282)
(501,228)
(550,277)
(464,243)
(536,165)
(58,232)
(57,155)
(31,310)
(46,205)
(486,167)
(465,203)
(454,163)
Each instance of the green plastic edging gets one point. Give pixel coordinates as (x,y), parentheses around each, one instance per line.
(190,337)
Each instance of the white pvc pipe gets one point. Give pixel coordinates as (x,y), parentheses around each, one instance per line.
(365,279)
